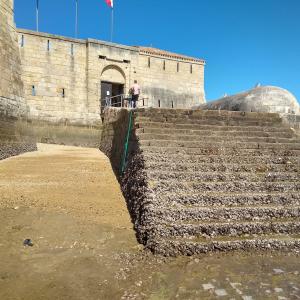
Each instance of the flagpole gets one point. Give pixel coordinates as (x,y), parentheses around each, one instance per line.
(112,24)
(76,20)
(37,15)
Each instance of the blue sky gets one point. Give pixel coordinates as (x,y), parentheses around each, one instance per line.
(243,41)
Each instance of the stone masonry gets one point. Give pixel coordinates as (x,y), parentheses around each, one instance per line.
(199,181)
(12,102)
(62,76)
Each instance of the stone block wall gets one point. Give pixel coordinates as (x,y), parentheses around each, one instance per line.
(12,103)
(11,87)
(55,79)
(169,82)
(62,76)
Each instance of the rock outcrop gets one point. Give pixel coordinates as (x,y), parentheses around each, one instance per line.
(260,99)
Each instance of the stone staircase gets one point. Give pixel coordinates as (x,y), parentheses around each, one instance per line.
(199,181)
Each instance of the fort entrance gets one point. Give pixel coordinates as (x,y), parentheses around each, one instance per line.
(113,81)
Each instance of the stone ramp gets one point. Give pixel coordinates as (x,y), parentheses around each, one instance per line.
(199,181)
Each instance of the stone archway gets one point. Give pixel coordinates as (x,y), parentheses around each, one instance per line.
(113,81)
(113,74)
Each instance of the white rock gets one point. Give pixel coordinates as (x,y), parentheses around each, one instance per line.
(221,292)
(208,286)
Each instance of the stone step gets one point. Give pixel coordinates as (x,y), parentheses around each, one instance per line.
(224,177)
(229,199)
(213,128)
(168,247)
(157,215)
(211,145)
(212,133)
(210,122)
(176,151)
(209,230)
(182,166)
(163,186)
(221,159)
(211,139)
(165,112)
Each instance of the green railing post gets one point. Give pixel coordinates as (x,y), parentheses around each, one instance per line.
(125,153)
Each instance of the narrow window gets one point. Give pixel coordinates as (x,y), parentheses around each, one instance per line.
(191,69)
(63,93)
(72,49)
(172,104)
(164,65)
(22,40)
(149,62)
(33,91)
(158,103)
(48,45)
(177,67)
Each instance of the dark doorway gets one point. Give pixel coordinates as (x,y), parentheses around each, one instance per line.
(109,90)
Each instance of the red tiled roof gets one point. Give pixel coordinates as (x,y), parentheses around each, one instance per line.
(155,51)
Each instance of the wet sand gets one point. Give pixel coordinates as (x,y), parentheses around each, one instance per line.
(68,202)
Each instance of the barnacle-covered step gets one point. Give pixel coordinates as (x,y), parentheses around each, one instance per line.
(208,144)
(210,121)
(224,176)
(223,138)
(162,186)
(154,214)
(229,199)
(206,127)
(208,151)
(182,166)
(220,159)
(224,133)
(190,246)
(210,230)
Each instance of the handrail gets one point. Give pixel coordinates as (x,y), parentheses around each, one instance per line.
(121,95)
(109,101)
(125,153)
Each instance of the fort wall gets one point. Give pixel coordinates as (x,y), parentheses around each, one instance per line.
(12,104)
(171,82)
(62,76)
(11,87)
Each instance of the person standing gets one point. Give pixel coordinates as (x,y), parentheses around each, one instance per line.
(136,91)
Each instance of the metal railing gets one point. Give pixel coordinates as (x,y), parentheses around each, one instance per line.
(122,100)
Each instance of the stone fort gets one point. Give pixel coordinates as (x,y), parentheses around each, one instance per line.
(60,79)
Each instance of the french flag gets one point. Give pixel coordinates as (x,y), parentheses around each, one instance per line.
(110,3)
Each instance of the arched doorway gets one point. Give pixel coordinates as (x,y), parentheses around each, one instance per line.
(112,85)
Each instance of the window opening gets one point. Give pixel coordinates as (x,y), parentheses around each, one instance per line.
(33,91)
(48,45)
(177,67)
(72,49)
(164,65)
(22,40)
(149,62)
